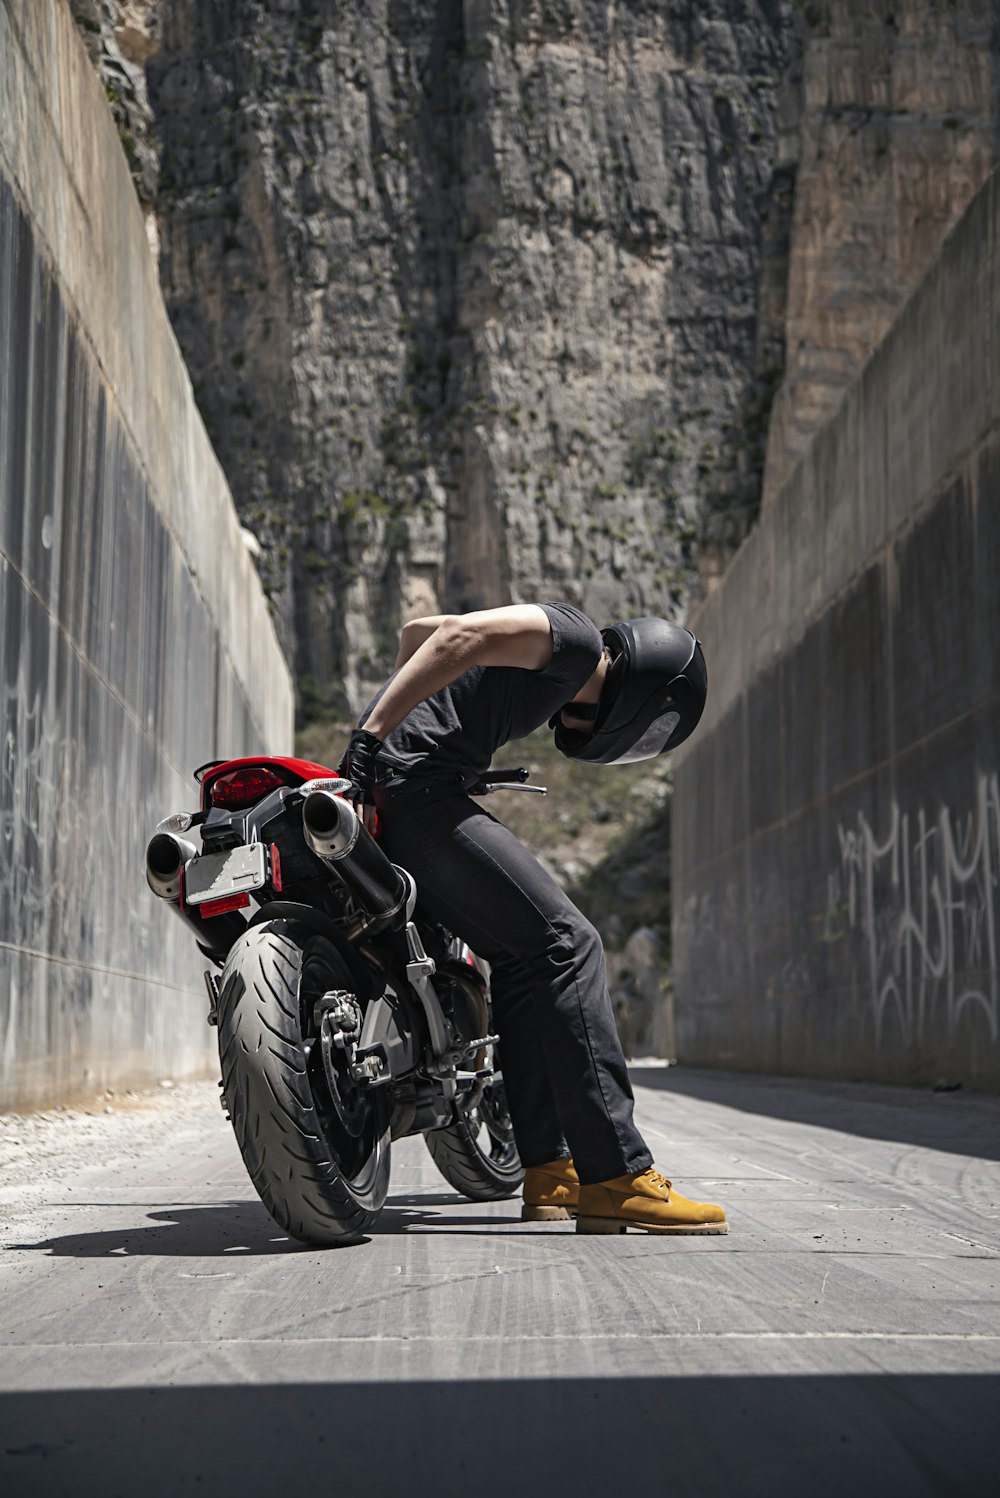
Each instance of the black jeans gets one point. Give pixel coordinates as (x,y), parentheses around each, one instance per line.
(563,1067)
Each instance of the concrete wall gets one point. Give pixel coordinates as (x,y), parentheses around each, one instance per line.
(837,817)
(135,640)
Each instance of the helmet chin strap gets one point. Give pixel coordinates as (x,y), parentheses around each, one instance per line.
(584,712)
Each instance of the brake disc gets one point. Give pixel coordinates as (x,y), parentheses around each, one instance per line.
(339,1016)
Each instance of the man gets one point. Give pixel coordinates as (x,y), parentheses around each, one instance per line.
(463,686)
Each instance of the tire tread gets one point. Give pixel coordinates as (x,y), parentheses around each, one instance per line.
(463,1165)
(269,1098)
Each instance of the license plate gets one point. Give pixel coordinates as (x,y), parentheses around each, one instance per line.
(212,876)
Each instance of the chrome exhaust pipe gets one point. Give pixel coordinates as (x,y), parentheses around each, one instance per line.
(166,856)
(334,832)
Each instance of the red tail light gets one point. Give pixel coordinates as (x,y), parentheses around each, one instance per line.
(242,788)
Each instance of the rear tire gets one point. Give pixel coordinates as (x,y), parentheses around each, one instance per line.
(319,1163)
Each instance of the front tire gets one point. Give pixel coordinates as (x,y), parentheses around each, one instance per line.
(319,1161)
(476,1153)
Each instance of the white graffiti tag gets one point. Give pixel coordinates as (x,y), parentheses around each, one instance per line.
(925,900)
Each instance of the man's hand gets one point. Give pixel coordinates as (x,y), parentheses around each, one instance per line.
(365,773)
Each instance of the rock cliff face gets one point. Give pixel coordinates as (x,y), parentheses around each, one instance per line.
(489,301)
(469,291)
(898,128)
(120,37)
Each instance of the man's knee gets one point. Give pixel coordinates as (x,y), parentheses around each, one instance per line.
(577,939)
(572,945)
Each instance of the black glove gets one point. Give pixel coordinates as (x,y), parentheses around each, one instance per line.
(363,767)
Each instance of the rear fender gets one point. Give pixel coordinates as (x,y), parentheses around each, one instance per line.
(454,967)
(369,984)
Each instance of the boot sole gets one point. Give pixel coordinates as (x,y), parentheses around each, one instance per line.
(547,1214)
(621,1225)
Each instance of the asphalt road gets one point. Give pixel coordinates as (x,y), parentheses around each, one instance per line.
(159,1335)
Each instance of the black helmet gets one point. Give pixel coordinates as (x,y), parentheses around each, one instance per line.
(652,698)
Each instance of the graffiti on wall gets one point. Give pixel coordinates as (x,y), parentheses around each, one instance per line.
(924,899)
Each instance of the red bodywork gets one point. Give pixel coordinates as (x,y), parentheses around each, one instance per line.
(292,771)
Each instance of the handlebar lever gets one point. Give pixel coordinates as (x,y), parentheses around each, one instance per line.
(483,789)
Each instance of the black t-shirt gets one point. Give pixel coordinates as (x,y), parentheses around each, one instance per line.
(453,735)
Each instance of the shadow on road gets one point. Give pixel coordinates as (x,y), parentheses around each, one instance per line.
(232,1229)
(958,1123)
(397,1218)
(244,1230)
(764,1437)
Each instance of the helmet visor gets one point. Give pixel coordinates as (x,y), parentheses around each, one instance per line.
(653,741)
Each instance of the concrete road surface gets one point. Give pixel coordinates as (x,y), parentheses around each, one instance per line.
(159,1335)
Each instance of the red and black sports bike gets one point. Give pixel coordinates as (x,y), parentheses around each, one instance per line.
(344,1020)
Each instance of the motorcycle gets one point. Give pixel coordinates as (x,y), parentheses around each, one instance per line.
(345,1019)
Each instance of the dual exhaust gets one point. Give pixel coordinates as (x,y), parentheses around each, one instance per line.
(166,856)
(333,831)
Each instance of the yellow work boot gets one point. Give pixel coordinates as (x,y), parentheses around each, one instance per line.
(551,1192)
(648,1202)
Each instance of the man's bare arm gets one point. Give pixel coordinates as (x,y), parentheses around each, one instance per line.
(518,635)
(413,635)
